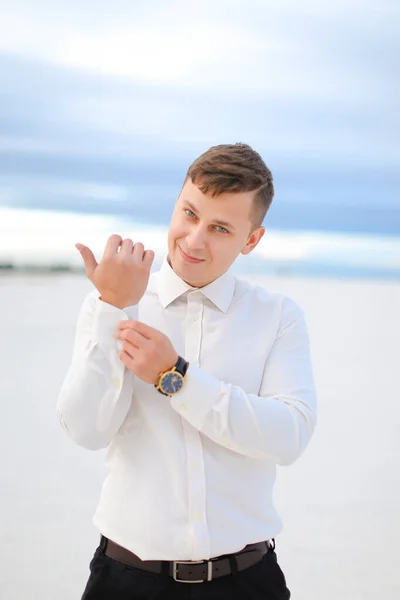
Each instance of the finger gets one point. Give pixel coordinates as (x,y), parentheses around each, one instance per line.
(126,359)
(144,330)
(138,251)
(129,349)
(136,336)
(126,247)
(130,345)
(137,340)
(113,243)
(128,324)
(88,259)
(148,258)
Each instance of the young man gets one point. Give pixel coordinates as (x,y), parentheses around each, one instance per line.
(199,384)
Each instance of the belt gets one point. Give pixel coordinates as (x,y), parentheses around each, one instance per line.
(193,571)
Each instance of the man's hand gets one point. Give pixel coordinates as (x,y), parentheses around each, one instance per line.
(146,351)
(121,277)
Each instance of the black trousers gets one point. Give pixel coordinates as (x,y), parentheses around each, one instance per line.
(112,580)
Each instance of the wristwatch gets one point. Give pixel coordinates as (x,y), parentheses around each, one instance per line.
(171,381)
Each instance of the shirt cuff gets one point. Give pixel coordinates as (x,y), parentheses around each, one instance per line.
(199,394)
(106,319)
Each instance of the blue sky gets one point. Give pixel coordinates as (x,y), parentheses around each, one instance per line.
(103,107)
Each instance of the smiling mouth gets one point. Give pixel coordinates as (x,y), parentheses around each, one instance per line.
(190,259)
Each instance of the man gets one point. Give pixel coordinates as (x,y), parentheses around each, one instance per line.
(199,384)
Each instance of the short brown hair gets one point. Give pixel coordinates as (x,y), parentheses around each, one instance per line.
(234,168)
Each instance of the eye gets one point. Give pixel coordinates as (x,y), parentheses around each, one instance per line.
(222,229)
(187,210)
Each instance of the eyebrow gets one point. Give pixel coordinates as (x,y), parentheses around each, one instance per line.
(222,223)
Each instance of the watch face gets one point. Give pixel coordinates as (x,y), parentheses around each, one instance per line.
(171,383)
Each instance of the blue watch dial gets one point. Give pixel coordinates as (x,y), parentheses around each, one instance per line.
(171,383)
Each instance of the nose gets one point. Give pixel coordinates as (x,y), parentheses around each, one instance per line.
(196,239)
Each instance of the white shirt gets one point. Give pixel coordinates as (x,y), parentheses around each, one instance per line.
(191,477)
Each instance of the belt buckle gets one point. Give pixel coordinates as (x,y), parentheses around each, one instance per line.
(175,574)
(271,544)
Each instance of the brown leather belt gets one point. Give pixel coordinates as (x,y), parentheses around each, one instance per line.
(193,571)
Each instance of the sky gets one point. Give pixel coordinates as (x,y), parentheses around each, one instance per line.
(104,106)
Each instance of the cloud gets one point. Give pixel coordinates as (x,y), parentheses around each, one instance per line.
(80,110)
(277,48)
(129,96)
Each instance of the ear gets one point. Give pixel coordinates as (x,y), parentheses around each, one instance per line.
(253,240)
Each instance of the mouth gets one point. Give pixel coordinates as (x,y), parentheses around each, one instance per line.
(190,259)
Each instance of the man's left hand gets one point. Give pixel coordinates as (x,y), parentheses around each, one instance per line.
(146,351)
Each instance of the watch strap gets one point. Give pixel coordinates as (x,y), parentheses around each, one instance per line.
(181,365)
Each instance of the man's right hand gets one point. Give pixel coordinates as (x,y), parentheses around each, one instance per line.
(122,276)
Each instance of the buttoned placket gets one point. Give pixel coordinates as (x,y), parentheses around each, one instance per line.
(194,448)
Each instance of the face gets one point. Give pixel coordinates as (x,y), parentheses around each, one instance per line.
(207,234)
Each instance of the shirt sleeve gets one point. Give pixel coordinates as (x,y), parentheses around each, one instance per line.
(275,424)
(97,391)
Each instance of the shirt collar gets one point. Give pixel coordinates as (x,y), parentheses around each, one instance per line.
(170,287)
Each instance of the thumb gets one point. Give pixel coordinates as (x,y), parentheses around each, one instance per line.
(88,259)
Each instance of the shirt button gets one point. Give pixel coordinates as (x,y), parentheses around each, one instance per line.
(195,464)
(117,382)
(197,517)
(196,318)
(226,442)
(184,407)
